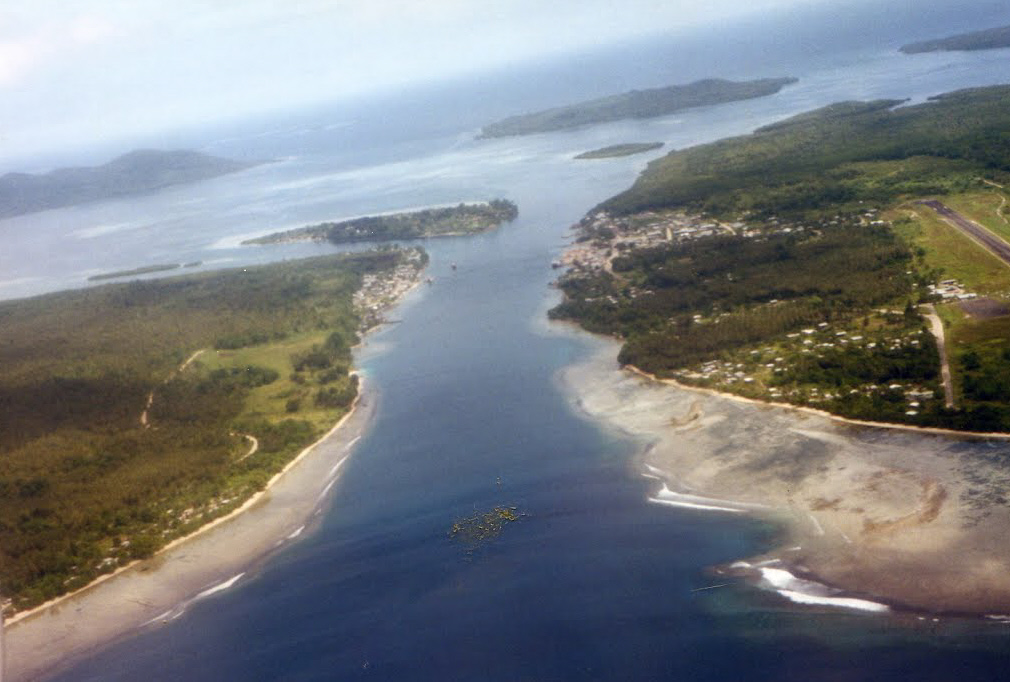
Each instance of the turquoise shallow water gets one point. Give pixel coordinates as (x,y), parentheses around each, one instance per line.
(593,582)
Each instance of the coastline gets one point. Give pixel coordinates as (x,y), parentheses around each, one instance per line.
(211,559)
(911,428)
(150,592)
(875,517)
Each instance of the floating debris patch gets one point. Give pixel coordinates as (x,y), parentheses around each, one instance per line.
(475,531)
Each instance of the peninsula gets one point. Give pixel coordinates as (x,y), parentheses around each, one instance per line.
(845,267)
(463,219)
(989,39)
(636,104)
(797,265)
(619,150)
(137,172)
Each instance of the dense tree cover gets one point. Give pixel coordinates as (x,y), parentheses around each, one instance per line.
(636,104)
(84,485)
(430,222)
(805,163)
(718,299)
(654,292)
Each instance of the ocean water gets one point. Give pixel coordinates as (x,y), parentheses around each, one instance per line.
(593,581)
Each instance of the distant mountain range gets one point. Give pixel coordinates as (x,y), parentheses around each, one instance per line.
(989,39)
(636,104)
(137,172)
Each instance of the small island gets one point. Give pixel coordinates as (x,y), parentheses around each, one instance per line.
(989,39)
(139,172)
(618,150)
(145,270)
(649,103)
(462,219)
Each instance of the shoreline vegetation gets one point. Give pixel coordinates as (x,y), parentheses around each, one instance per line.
(138,172)
(116,445)
(769,296)
(156,591)
(619,150)
(989,39)
(143,270)
(797,265)
(649,103)
(451,221)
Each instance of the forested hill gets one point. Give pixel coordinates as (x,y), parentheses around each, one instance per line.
(636,104)
(989,39)
(801,163)
(139,171)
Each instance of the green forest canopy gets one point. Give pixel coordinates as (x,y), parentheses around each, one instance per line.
(84,486)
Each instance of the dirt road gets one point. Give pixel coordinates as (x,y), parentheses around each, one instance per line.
(936,326)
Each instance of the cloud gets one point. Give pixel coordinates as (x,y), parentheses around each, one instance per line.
(18,57)
(30,52)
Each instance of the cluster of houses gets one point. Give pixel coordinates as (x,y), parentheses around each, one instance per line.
(951,290)
(757,369)
(610,235)
(606,236)
(379,291)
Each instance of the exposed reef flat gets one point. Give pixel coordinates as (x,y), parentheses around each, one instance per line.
(889,517)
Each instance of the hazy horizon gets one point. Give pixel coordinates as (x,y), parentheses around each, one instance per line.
(110,76)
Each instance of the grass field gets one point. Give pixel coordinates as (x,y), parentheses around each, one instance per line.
(949,251)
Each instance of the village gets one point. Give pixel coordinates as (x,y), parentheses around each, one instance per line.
(379,291)
(768,372)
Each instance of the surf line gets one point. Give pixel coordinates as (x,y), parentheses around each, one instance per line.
(176,612)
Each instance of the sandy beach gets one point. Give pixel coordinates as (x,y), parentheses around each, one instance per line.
(878,519)
(151,592)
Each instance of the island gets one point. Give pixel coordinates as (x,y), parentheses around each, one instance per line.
(135,414)
(989,39)
(462,219)
(618,150)
(636,104)
(143,270)
(811,325)
(138,172)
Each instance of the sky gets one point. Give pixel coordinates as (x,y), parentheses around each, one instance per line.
(98,70)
